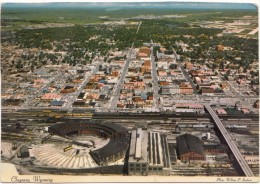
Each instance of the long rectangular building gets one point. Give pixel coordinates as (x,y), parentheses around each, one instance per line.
(159,157)
(138,163)
(149,153)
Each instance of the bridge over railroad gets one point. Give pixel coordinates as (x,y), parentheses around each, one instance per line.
(240,159)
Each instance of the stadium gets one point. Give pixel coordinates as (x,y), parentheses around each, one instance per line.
(83,144)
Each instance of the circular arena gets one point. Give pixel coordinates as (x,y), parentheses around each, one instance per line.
(52,155)
(117,138)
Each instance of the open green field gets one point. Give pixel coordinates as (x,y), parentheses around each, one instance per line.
(19,16)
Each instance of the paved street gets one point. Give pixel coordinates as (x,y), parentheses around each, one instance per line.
(81,87)
(29,100)
(246,100)
(155,82)
(119,85)
(185,73)
(139,25)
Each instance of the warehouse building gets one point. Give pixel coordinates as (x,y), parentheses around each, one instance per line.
(159,157)
(190,148)
(138,163)
(149,153)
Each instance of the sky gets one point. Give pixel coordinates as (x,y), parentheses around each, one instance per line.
(42,1)
(171,5)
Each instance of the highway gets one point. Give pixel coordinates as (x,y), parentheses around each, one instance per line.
(240,159)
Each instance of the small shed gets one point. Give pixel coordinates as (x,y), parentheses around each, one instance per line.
(23,152)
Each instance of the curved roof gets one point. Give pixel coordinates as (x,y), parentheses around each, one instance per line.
(69,127)
(188,143)
(117,144)
(113,147)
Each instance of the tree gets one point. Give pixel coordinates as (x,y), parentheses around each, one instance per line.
(228,72)
(155,50)
(19,64)
(245,69)
(221,65)
(225,76)
(214,66)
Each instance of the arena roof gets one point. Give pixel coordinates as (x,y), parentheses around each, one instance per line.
(70,127)
(119,136)
(113,147)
